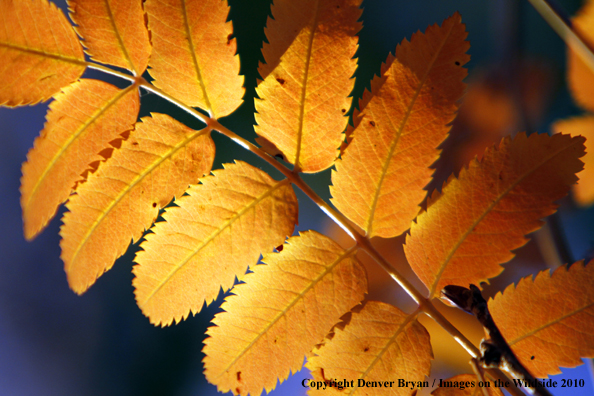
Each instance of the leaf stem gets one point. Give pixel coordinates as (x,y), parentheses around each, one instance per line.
(560,23)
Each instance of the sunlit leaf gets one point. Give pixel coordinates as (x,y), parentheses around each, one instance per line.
(304,96)
(380,344)
(484,214)
(39,52)
(81,122)
(282,311)
(379,182)
(123,197)
(218,230)
(549,321)
(579,76)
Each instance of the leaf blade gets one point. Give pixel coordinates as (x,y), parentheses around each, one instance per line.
(81,122)
(114,32)
(122,199)
(470,229)
(393,146)
(194,55)
(310,268)
(305,97)
(37,61)
(379,344)
(189,257)
(534,338)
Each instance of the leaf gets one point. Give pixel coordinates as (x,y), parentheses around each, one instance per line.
(471,228)
(460,387)
(114,32)
(81,122)
(381,343)
(282,311)
(304,99)
(39,52)
(218,230)
(549,322)
(579,76)
(123,197)
(583,191)
(194,53)
(379,182)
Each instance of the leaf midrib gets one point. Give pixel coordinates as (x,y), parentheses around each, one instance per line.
(120,39)
(396,140)
(489,209)
(38,52)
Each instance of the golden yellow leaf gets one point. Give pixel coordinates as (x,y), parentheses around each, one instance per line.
(379,345)
(218,230)
(379,182)
(282,311)
(470,229)
(579,76)
(583,191)
(305,97)
(193,55)
(39,52)
(114,32)
(461,386)
(549,321)
(123,197)
(81,122)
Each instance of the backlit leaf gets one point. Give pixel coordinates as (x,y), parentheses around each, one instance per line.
(470,229)
(579,76)
(114,32)
(460,385)
(218,230)
(380,344)
(304,96)
(123,197)
(549,321)
(282,311)
(39,52)
(81,122)
(379,182)
(583,191)
(193,55)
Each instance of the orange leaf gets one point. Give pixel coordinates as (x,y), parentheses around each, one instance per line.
(218,230)
(460,385)
(81,122)
(549,321)
(39,52)
(470,229)
(379,182)
(122,198)
(282,311)
(380,344)
(114,32)
(579,76)
(194,53)
(305,97)
(583,191)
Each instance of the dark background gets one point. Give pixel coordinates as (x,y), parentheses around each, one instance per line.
(53,342)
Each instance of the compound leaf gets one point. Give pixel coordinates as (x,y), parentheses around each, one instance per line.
(80,123)
(470,229)
(39,52)
(381,343)
(114,32)
(218,230)
(304,96)
(194,53)
(282,311)
(123,197)
(549,321)
(379,182)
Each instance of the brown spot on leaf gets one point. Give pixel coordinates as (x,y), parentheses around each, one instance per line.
(280,81)
(239,376)
(532,358)
(229,38)
(366,349)
(343,111)
(372,123)
(154,204)
(279,248)
(457,63)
